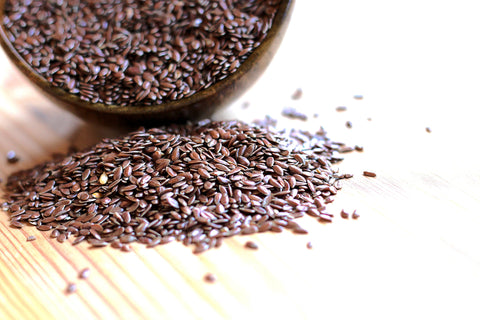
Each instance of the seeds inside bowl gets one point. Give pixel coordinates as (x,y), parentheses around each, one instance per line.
(126,52)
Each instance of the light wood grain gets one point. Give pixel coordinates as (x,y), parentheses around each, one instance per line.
(413,253)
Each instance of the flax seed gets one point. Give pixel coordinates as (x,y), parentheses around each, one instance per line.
(12,157)
(71,288)
(251,245)
(355,214)
(125,53)
(369,174)
(84,273)
(297,94)
(183,182)
(210,278)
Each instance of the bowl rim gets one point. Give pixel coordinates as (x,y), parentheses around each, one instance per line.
(281,17)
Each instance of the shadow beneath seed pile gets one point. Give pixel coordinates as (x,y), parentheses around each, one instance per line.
(87,135)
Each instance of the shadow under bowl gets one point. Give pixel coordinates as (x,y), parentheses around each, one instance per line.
(197,106)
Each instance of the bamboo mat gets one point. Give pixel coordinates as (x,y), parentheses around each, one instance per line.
(412,254)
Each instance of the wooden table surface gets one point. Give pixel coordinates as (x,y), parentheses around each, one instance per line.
(413,254)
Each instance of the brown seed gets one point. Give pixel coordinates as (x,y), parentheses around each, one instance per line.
(97,243)
(325,218)
(355,214)
(278,170)
(12,157)
(300,230)
(210,278)
(345,149)
(126,248)
(297,94)
(84,273)
(263,190)
(44,227)
(293,113)
(201,247)
(344,214)
(309,245)
(71,288)
(83,196)
(250,230)
(251,245)
(369,174)
(16,224)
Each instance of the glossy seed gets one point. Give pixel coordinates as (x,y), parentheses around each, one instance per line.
(251,245)
(210,278)
(71,288)
(84,273)
(103,178)
(369,174)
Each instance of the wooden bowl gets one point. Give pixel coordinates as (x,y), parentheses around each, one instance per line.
(199,105)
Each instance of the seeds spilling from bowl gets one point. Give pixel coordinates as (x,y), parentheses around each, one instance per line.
(195,183)
(127,52)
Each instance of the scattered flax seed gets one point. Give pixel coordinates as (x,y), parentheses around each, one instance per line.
(358,97)
(297,94)
(251,245)
(12,157)
(358,148)
(84,273)
(348,124)
(344,214)
(293,113)
(71,288)
(210,278)
(341,108)
(369,174)
(345,149)
(31,238)
(355,215)
(428,129)
(309,245)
